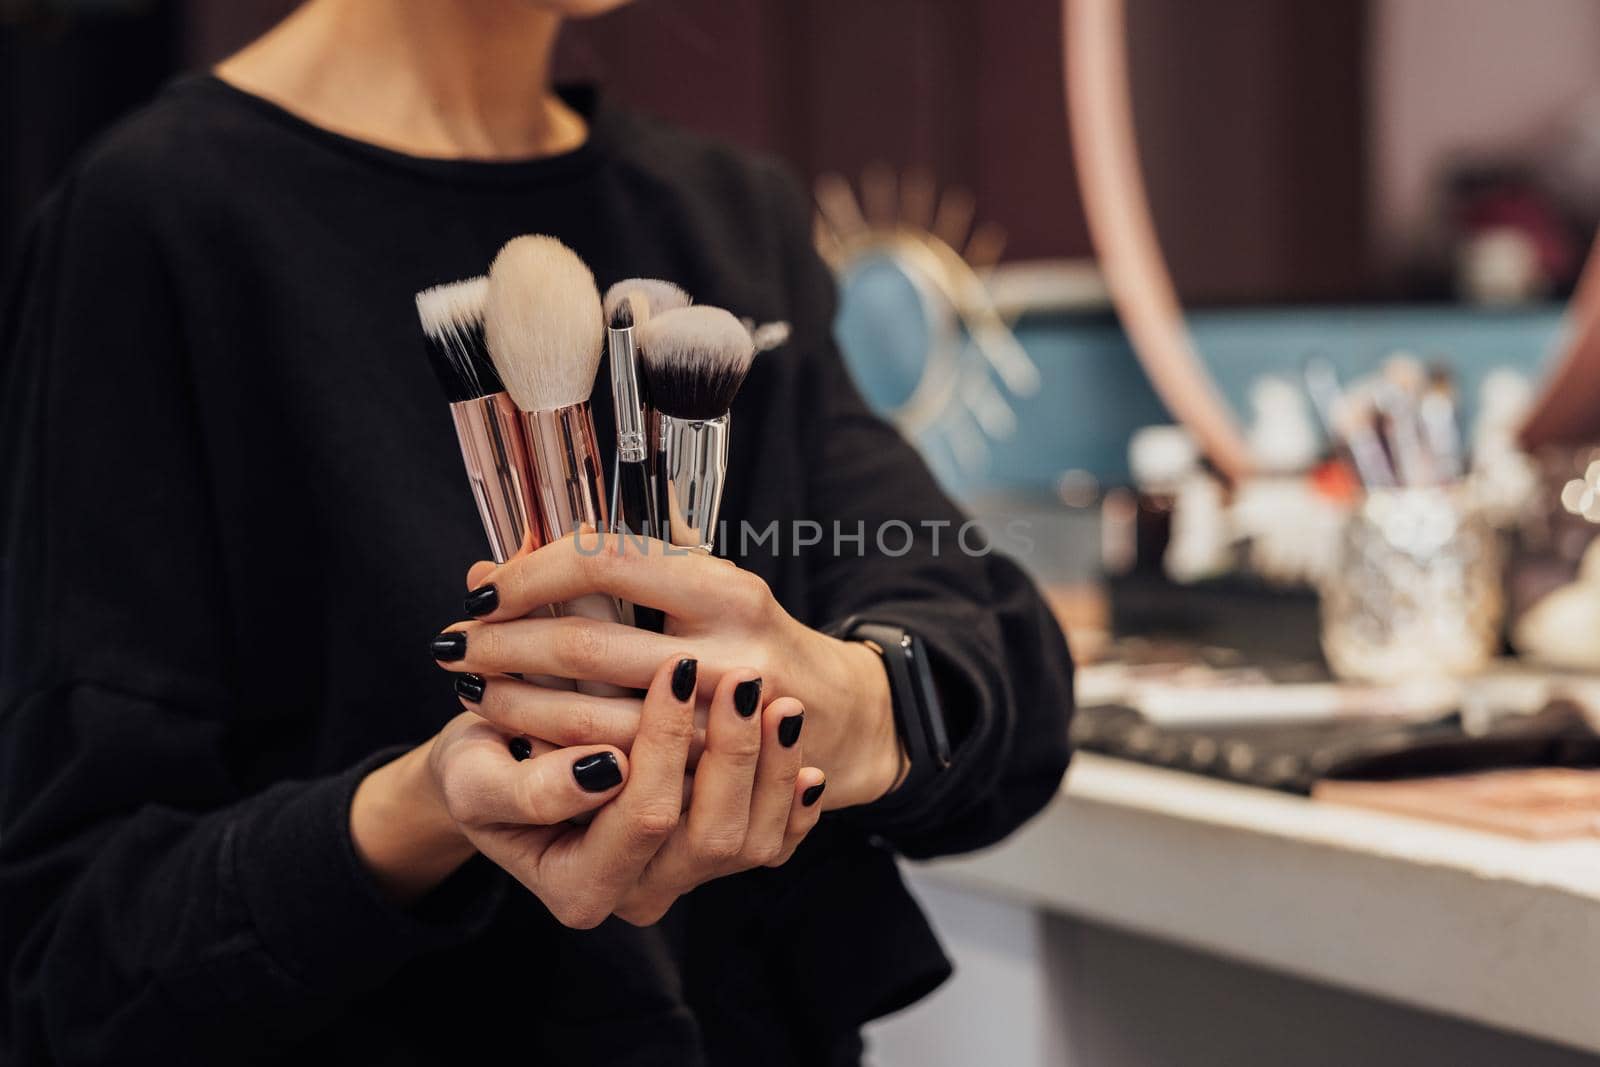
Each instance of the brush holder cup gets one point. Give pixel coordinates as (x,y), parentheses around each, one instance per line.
(1417,590)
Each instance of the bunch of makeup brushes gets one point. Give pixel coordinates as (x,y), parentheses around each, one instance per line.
(517,353)
(1400,430)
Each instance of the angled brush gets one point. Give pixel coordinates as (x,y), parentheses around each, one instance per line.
(487,422)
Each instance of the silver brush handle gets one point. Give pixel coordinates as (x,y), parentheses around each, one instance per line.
(627,397)
(693,471)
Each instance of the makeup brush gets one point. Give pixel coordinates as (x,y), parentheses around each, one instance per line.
(1347,423)
(1437,411)
(628,305)
(543,324)
(694,359)
(1398,393)
(487,423)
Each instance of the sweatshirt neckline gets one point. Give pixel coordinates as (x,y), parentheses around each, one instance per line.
(583,98)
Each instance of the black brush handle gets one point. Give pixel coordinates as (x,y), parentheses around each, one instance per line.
(632,517)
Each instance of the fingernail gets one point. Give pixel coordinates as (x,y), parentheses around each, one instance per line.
(789,729)
(482,600)
(598,772)
(521,748)
(812,795)
(470,687)
(449,647)
(683,677)
(747,697)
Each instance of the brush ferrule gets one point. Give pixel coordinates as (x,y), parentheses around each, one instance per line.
(627,396)
(495,453)
(693,468)
(569,486)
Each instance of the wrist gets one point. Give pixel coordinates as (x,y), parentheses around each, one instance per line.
(882,762)
(401,829)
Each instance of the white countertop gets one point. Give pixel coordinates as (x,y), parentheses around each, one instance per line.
(1494,929)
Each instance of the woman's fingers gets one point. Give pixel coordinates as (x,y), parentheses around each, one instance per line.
(567,648)
(804,811)
(719,808)
(487,784)
(776,773)
(626,834)
(680,582)
(559,716)
(479,573)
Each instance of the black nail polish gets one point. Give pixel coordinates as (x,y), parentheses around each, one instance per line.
(789,729)
(598,772)
(521,748)
(449,647)
(470,687)
(482,600)
(812,795)
(747,697)
(683,678)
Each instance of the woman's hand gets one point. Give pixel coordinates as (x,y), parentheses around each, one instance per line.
(726,617)
(753,803)
(413,821)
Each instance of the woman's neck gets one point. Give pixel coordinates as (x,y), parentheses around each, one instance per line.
(444,78)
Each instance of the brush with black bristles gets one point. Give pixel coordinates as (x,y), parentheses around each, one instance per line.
(543,324)
(628,305)
(487,422)
(695,359)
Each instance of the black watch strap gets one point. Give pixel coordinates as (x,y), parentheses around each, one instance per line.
(918,715)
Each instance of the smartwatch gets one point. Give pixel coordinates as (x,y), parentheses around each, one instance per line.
(918,715)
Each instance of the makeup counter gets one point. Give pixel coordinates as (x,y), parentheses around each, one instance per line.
(1502,932)
(1241,848)
(1313,917)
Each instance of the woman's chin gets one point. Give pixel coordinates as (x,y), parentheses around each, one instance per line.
(580,9)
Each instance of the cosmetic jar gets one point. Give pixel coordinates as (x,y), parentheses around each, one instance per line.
(1416,591)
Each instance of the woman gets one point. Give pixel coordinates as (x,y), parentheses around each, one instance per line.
(238,823)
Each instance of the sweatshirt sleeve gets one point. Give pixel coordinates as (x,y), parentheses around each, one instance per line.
(151,906)
(999,659)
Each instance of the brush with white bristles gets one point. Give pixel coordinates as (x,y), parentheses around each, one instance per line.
(695,359)
(621,303)
(543,324)
(452,322)
(487,424)
(628,305)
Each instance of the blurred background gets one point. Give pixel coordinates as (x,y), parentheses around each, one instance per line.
(1336,799)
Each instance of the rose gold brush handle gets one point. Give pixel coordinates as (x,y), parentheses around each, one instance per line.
(496,457)
(569,492)
(495,453)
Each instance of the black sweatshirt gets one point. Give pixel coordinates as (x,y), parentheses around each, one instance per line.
(235,513)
